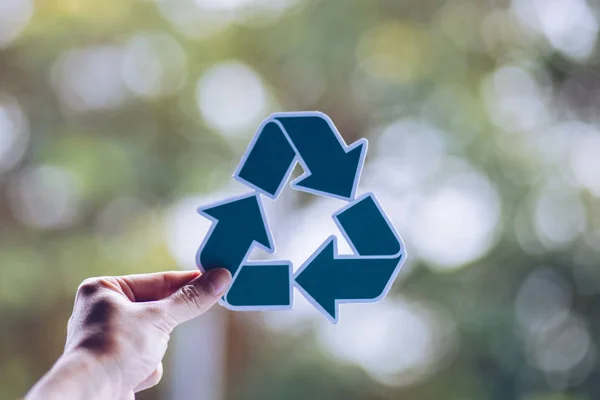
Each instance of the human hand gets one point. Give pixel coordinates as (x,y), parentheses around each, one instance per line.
(119,331)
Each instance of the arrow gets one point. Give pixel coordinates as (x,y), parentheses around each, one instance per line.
(328,279)
(331,168)
(269,161)
(239,225)
(262,286)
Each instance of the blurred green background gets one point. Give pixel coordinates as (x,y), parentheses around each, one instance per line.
(118,118)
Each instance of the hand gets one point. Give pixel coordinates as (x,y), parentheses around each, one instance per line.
(119,331)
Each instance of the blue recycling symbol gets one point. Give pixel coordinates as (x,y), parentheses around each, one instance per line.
(331,169)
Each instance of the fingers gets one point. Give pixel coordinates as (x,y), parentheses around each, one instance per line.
(152,380)
(197,296)
(152,287)
(128,396)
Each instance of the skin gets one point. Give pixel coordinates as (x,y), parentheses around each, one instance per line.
(120,329)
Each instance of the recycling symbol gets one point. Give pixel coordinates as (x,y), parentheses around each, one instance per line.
(331,169)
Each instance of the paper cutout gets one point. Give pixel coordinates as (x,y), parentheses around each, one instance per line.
(331,169)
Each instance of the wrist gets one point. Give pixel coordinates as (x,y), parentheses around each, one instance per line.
(76,374)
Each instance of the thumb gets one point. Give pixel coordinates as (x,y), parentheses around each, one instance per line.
(197,296)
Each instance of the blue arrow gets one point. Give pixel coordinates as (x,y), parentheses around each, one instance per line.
(269,161)
(239,224)
(331,168)
(328,279)
(262,286)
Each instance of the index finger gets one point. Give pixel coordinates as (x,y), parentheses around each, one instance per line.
(154,286)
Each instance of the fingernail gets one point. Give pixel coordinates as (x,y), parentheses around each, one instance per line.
(219,280)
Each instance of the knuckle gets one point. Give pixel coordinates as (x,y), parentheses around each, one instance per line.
(98,343)
(193,296)
(89,287)
(101,312)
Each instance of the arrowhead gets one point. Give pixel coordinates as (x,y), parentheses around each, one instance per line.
(317,279)
(337,177)
(243,216)
(332,168)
